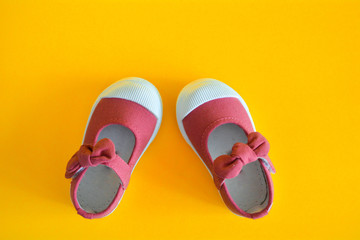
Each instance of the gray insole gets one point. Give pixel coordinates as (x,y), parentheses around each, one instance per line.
(249,189)
(123,139)
(100,184)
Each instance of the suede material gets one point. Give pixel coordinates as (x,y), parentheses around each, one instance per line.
(123,112)
(198,125)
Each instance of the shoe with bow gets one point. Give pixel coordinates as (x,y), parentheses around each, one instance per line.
(116,136)
(216,123)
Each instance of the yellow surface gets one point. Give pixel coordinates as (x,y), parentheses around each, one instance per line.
(296,64)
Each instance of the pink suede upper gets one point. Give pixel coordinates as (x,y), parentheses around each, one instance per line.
(199,124)
(93,152)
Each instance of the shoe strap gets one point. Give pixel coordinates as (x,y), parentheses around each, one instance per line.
(103,152)
(230,166)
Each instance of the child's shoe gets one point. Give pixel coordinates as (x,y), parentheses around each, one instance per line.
(124,120)
(216,123)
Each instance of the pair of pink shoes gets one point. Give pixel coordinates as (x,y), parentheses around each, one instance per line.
(213,119)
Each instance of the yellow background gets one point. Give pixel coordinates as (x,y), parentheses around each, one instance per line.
(296,64)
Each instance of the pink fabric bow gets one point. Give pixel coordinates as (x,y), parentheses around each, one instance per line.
(90,156)
(229,166)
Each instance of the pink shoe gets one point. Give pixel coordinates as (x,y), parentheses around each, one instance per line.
(216,123)
(123,122)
